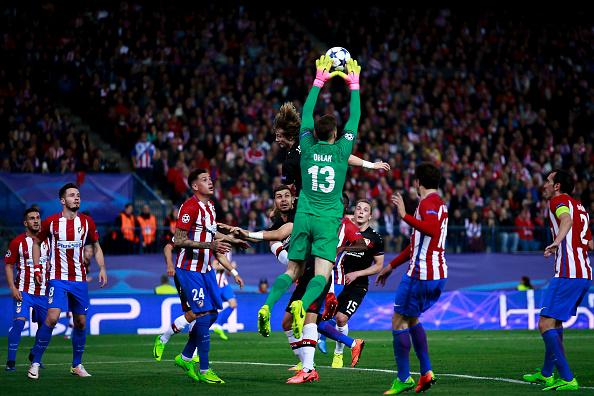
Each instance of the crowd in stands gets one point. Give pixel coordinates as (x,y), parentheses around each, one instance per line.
(495,98)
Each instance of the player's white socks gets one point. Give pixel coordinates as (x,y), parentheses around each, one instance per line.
(339,345)
(179,324)
(292,341)
(310,337)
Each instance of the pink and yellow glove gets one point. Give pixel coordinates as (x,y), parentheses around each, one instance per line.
(352,76)
(323,65)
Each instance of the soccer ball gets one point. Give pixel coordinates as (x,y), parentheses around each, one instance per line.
(339,57)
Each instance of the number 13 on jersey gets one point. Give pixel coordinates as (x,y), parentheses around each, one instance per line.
(326,183)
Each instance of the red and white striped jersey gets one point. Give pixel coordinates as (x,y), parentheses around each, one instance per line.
(430,227)
(571,259)
(67,239)
(199,220)
(348,233)
(20,250)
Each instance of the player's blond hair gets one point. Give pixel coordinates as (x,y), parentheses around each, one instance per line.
(288,120)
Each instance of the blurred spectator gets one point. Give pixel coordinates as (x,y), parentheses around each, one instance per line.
(263,285)
(456,239)
(473,227)
(525,284)
(165,287)
(525,229)
(142,158)
(148,229)
(126,237)
(507,232)
(169,224)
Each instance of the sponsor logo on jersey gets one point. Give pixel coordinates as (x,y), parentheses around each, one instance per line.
(70,244)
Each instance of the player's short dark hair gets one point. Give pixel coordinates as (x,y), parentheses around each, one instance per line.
(281,187)
(30,210)
(325,126)
(288,120)
(194,175)
(428,175)
(364,200)
(65,187)
(565,179)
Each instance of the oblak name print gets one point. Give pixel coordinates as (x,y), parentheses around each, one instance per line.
(322,157)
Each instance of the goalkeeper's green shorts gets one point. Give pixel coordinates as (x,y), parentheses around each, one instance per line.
(314,235)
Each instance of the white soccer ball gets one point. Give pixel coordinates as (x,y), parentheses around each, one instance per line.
(339,57)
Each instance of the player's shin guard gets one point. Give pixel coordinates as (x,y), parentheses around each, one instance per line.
(549,362)
(14,339)
(79,339)
(280,286)
(554,346)
(419,341)
(401,342)
(344,331)
(202,335)
(310,339)
(315,287)
(42,340)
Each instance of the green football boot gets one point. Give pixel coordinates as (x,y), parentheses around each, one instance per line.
(188,367)
(264,321)
(538,378)
(298,318)
(561,385)
(399,387)
(210,377)
(158,349)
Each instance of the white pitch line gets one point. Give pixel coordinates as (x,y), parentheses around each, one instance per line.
(465,376)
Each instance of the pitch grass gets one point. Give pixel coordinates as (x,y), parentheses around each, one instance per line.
(122,364)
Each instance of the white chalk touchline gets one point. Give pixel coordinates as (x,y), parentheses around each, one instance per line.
(465,376)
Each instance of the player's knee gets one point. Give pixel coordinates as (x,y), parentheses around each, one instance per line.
(232,303)
(190,316)
(341,319)
(51,320)
(398,322)
(80,323)
(545,324)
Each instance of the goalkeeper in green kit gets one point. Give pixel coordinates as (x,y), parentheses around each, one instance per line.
(320,208)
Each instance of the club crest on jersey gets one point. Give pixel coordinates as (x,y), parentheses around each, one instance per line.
(200,303)
(185,218)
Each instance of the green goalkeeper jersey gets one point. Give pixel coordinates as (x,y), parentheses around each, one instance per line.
(324,165)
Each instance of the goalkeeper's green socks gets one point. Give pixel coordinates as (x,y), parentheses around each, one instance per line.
(280,286)
(315,287)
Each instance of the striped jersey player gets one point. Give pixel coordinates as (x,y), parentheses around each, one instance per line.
(197,238)
(25,291)
(573,277)
(424,281)
(67,234)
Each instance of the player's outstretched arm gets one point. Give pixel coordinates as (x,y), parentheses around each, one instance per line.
(181,241)
(323,65)
(273,235)
(168,254)
(101,263)
(352,78)
(239,243)
(379,165)
(225,263)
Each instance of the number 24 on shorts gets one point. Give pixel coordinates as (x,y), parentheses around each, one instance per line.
(197,295)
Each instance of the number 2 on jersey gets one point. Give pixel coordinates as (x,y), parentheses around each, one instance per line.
(328,185)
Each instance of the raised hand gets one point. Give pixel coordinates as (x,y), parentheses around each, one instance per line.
(323,65)
(399,202)
(352,75)
(380,165)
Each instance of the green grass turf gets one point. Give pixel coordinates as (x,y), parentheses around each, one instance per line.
(123,364)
